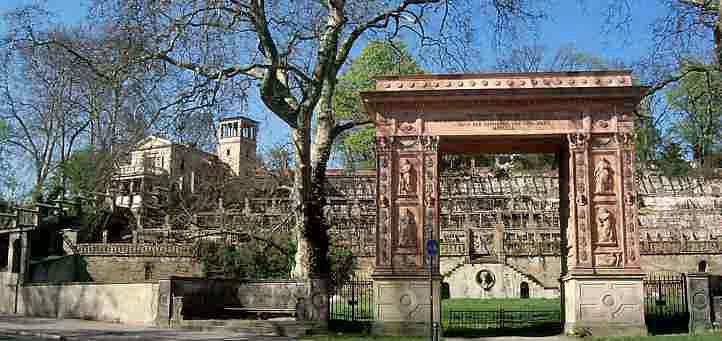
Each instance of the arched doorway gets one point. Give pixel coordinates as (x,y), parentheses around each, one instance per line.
(17,255)
(524,290)
(587,118)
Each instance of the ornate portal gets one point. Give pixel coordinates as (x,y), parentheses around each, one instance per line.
(584,117)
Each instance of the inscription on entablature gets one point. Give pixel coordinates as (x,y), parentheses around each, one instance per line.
(505,123)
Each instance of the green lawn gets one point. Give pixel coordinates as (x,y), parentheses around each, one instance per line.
(711,337)
(678,337)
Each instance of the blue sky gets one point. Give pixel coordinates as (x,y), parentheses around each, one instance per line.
(576,22)
(571,22)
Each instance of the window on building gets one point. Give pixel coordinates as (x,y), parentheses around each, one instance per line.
(4,245)
(702,266)
(148,269)
(228,152)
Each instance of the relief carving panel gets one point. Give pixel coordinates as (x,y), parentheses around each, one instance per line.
(408,229)
(603,177)
(407,178)
(606,227)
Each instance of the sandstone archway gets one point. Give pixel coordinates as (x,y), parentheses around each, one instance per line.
(586,117)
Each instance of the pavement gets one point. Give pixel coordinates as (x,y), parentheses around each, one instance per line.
(21,328)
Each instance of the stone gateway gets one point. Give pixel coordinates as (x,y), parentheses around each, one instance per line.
(586,118)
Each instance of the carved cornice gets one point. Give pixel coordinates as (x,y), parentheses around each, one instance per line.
(506,81)
(624,139)
(578,140)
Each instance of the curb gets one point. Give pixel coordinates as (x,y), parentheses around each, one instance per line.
(41,335)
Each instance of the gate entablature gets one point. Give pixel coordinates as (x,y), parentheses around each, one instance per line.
(587,117)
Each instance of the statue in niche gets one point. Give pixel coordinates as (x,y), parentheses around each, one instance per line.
(605,227)
(406,181)
(603,179)
(407,229)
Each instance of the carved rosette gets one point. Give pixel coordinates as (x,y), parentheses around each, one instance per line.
(430,185)
(625,142)
(384,146)
(578,239)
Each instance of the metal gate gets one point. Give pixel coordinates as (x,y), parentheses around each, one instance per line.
(665,302)
(353,301)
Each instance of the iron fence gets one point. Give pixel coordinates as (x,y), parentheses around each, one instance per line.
(499,319)
(665,302)
(353,301)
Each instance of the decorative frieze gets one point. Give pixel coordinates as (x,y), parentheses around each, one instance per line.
(499,81)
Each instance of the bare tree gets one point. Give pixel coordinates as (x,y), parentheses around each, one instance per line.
(294,51)
(92,87)
(538,58)
(37,98)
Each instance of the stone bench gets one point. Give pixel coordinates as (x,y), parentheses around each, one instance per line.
(262,313)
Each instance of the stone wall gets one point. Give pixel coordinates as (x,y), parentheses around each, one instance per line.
(130,303)
(126,262)
(139,268)
(58,269)
(682,263)
(206,298)
(495,281)
(483,218)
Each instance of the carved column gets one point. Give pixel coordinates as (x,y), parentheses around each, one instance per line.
(407,199)
(603,288)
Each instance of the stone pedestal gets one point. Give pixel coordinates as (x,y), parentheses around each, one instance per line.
(403,306)
(604,304)
(316,305)
(698,302)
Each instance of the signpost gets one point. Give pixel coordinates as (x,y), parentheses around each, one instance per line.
(432,248)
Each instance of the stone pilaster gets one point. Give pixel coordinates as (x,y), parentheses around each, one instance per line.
(408,191)
(603,290)
(698,301)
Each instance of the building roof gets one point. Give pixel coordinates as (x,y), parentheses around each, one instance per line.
(238,118)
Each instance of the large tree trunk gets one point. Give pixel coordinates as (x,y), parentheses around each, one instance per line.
(311,229)
(718,36)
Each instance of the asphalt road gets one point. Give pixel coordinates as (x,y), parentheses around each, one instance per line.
(13,327)
(5,337)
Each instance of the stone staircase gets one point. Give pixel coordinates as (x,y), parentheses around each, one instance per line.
(530,279)
(272,327)
(510,276)
(453,269)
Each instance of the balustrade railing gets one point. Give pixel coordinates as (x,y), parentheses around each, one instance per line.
(121,249)
(678,246)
